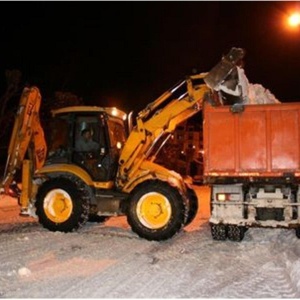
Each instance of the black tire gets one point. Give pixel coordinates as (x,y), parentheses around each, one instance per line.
(219,232)
(61,205)
(235,233)
(156,210)
(297,230)
(192,206)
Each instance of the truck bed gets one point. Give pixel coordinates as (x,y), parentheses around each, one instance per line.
(260,142)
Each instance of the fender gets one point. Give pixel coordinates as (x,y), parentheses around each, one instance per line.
(150,170)
(49,170)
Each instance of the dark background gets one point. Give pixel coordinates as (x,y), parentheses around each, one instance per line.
(126,54)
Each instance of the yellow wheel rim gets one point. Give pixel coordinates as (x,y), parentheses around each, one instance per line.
(154,210)
(58,206)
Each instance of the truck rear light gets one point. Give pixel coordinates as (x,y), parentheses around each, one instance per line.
(223,197)
(227,197)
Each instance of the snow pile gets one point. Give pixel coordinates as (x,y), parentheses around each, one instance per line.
(238,85)
(257,94)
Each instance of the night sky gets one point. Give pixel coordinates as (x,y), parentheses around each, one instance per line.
(126,54)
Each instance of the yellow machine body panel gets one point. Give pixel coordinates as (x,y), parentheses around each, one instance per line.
(76,171)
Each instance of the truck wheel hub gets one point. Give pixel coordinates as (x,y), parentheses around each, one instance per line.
(58,205)
(154,210)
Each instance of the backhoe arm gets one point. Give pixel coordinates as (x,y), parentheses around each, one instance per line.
(27,137)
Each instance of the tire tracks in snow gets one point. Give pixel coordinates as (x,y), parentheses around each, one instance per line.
(100,261)
(108,282)
(62,246)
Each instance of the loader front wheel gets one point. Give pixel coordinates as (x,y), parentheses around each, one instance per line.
(60,205)
(156,210)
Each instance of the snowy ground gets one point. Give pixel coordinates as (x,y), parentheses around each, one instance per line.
(109,261)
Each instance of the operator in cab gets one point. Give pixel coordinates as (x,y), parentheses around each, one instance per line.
(86,143)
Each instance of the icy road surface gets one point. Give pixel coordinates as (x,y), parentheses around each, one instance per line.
(109,261)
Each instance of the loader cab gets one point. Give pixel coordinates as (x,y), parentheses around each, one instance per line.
(107,136)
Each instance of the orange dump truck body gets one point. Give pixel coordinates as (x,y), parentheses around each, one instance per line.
(261,142)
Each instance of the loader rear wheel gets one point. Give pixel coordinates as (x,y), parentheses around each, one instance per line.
(219,232)
(155,211)
(193,206)
(61,205)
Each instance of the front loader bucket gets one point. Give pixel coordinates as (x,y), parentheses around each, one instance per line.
(219,72)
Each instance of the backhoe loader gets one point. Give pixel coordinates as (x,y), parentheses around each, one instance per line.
(64,186)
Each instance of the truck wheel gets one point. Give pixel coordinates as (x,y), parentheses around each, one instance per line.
(297,232)
(218,232)
(155,211)
(235,233)
(61,205)
(193,206)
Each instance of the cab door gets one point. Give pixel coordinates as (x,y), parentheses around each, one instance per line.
(93,160)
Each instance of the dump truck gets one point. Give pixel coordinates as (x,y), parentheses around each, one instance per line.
(252,164)
(64,185)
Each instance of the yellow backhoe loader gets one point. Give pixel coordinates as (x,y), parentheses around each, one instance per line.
(65,185)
